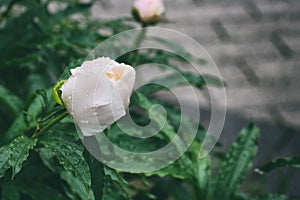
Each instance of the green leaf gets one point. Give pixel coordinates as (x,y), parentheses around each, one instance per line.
(37,182)
(182,168)
(17,128)
(165,126)
(180,78)
(280,162)
(10,100)
(77,186)
(10,192)
(5,153)
(19,152)
(178,50)
(39,191)
(169,188)
(114,186)
(237,163)
(113,191)
(97,174)
(71,158)
(71,9)
(114,176)
(202,168)
(177,118)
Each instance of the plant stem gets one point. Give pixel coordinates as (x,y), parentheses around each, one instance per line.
(137,44)
(50,124)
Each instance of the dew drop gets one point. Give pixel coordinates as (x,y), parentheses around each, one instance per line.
(84,121)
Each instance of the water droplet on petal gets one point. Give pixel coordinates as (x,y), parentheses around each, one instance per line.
(84,121)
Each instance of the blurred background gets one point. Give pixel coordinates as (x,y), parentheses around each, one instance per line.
(256,46)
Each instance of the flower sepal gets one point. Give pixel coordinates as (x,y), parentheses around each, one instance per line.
(56,92)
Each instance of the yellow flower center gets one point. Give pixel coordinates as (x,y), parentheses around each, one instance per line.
(116,73)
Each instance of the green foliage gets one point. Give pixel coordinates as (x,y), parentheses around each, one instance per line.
(14,154)
(114,186)
(10,100)
(97,175)
(237,163)
(180,78)
(19,152)
(9,192)
(280,162)
(41,155)
(4,158)
(70,156)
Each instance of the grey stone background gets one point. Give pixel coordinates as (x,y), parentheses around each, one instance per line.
(256,45)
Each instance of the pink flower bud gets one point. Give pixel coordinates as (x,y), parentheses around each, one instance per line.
(148,11)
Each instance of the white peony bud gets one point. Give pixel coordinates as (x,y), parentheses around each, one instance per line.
(148,11)
(97,93)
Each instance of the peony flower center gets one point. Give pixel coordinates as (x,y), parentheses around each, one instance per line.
(116,73)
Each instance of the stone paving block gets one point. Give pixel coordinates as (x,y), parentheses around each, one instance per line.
(255,33)
(232,76)
(253,11)
(291,116)
(280,45)
(292,42)
(274,6)
(202,14)
(276,72)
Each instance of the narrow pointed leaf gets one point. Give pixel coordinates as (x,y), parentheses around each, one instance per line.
(280,162)
(237,163)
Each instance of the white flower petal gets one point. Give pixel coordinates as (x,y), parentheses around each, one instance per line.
(97,93)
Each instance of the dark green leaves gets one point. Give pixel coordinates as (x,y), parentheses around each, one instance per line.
(237,163)
(97,175)
(14,154)
(179,50)
(114,186)
(70,157)
(9,192)
(77,186)
(280,162)
(4,158)
(180,78)
(10,100)
(20,150)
